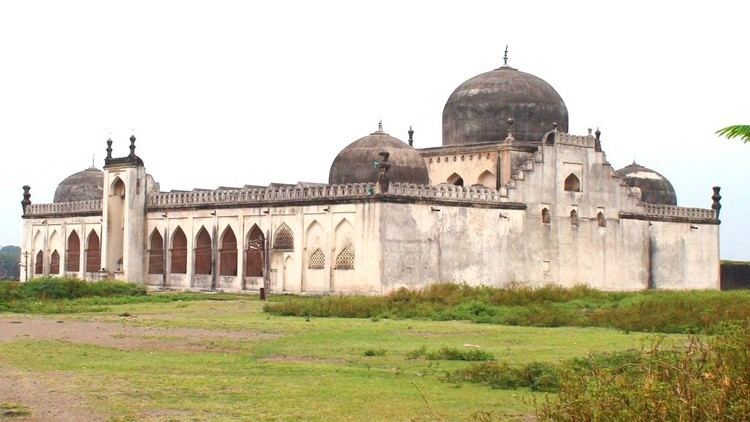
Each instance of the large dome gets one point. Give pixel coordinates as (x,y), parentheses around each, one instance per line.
(355,163)
(82,186)
(478,110)
(655,188)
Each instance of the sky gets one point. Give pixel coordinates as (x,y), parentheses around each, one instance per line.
(234,92)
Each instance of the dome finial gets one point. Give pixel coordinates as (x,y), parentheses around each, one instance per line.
(411,136)
(380,125)
(505,56)
(509,139)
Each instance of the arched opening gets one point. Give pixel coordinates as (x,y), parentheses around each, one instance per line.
(317,260)
(572,183)
(228,253)
(487,179)
(601,220)
(283,238)
(116,225)
(54,262)
(39,263)
(254,252)
(456,180)
(93,253)
(203,252)
(573,218)
(73,253)
(179,252)
(545,216)
(156,253)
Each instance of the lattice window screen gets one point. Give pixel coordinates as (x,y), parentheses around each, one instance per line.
(283,238)
(345,259)
(317,260)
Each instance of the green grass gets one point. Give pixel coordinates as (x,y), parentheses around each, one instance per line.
(549,306)
(300,370)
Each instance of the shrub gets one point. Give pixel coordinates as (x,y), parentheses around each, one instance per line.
(374,352)
(536,376)
(701,381)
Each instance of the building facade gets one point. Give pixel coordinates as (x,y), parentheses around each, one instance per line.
(509,197)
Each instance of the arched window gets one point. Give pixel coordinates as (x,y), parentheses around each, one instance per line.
(39,263)
(73,254)
(456,180)
(228,253)
(601,220)
(573,218)
(93,253)
(545,216)
(317,260)
(345,259)
(572,183)
(203,252)
(54,262)
(254,252)
(283,238)
(156,253)
(487,179)
(179,252)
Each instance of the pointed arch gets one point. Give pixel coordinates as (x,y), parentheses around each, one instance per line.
(456,179)
(545,216)
(317,260)
(178,252)
(93,253)
(600,219)
(203,252)
(572,183)
(156,253)
(254,252)
(39,263)
(73,253)
(117,188)
(344,238)
(228,252)
(283,238)
(573,218)
(54,262)
(487,178)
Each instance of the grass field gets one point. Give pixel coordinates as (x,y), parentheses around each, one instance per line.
(228,360)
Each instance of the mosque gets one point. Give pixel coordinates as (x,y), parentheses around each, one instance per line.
(509,197)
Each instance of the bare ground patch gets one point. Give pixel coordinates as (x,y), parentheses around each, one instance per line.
(120,336)
(42,398)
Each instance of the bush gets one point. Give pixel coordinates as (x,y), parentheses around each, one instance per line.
(701,381)
(535,376)
(374,352)
(547,306)
(71,288)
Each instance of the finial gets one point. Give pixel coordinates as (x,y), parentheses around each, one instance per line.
(26,198)
(505,56)
(598,133)
(554,126)
(380,125)
(598,142)
(132,146)
(411,137)
(589,131)
(510,138)
(109,149)
(716,206)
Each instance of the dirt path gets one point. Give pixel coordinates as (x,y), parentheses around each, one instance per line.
(120,336)
(45,402)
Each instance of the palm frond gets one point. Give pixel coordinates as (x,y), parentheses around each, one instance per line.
(736,131)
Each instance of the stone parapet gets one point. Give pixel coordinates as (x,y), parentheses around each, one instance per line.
(92,207)
(675,211)
(587,141)
(459,193)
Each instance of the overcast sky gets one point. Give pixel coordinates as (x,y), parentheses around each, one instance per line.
(233,93)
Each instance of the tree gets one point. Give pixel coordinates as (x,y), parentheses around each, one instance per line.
(9,258)
(736,131)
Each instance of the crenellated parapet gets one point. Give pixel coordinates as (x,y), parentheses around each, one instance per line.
(681,212)
(92,207)
(586,141)
(449,192)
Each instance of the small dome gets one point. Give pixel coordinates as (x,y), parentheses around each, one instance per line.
(655,188)
(82,186)
(355,163)
(478,110)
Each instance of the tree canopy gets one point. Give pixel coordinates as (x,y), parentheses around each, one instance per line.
(736,131)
